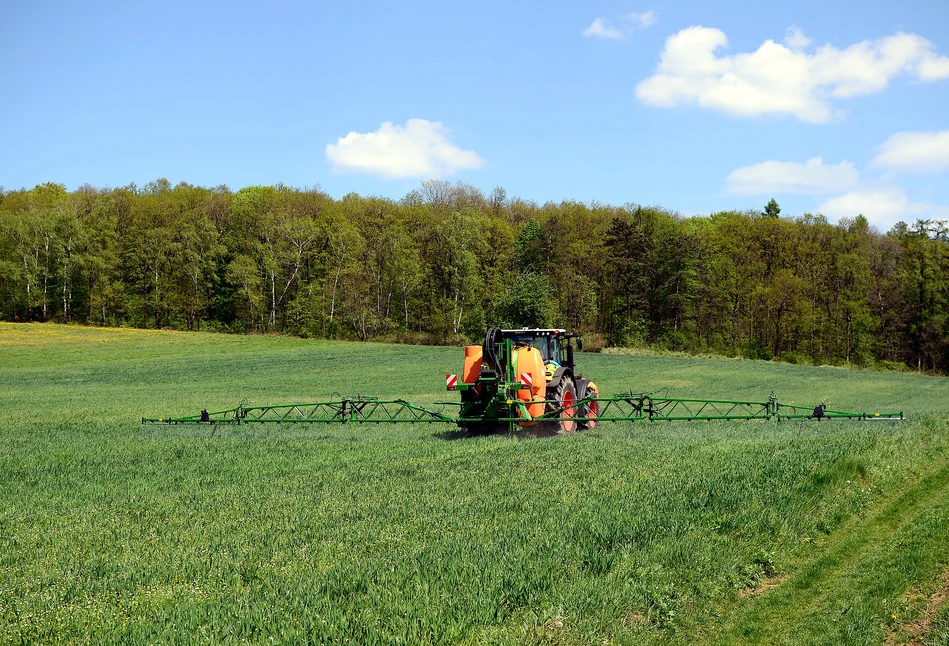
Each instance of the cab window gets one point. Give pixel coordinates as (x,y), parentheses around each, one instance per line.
(555,350)
(540,342)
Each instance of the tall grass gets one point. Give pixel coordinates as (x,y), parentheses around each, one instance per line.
(111,532)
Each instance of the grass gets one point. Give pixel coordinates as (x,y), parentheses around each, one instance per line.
(111,532)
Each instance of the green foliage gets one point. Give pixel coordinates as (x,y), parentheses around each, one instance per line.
(435,265)
(530,247)
(772,210)
(524,303)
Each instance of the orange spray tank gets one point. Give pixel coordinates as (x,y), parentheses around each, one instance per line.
(529,368)
(472,368)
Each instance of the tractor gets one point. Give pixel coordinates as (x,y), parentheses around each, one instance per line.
(524,377)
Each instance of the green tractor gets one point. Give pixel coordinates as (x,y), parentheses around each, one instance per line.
(526,378)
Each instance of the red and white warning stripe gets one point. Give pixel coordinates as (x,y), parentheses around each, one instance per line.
(526,379)
(451,381)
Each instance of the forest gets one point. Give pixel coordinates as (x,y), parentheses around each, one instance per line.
(447,260)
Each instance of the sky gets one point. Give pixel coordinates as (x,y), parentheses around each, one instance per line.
(838,108)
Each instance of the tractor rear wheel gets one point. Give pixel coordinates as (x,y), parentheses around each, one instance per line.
(564,395)
(590,410)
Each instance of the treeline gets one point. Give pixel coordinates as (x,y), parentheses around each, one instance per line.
(446,261)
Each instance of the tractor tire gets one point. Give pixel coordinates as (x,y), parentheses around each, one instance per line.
(563,396)
(590,409)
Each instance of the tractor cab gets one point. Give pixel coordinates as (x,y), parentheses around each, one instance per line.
(553,344)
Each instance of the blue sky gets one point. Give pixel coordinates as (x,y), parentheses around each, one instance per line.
(833,107)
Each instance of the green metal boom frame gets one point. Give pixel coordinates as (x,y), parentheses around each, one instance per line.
(629,407)
(367,410)
(496,398)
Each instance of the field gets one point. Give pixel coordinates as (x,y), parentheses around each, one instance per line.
(713,532)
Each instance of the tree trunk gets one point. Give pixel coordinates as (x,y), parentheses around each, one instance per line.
(273,299)
(333,297)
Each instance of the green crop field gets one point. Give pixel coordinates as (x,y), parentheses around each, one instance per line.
(674,533)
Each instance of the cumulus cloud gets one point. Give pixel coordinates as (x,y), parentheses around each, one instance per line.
(419,149)
(914,152)
(782,80)
(600,28)
(881,206)
(776,177)
(933,68)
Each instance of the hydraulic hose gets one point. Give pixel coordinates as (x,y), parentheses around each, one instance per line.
(489,351)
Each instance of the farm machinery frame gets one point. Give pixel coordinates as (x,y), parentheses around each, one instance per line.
(522,379)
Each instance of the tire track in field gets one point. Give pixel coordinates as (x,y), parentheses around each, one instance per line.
(915,631)
(793,604)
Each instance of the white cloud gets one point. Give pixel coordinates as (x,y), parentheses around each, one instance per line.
(933,68)
(602,29)
(882,206)
(780,80)
(914,152)
(776,178)
(643,20)
(419,149)
(795,38)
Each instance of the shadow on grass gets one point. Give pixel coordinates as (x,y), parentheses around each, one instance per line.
(538,431)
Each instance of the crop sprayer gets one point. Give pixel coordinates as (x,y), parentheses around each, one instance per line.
(520,379)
